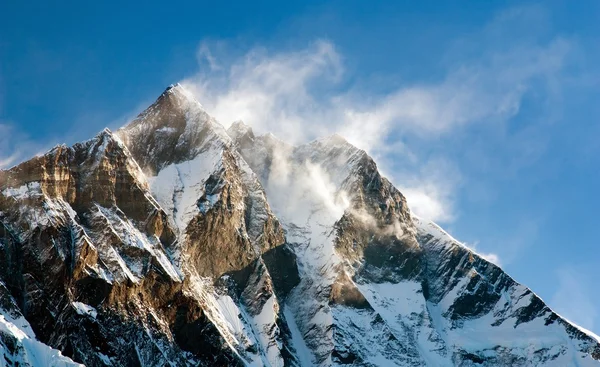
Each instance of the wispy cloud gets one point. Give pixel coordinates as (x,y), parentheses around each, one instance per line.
(272,92)
(290,93)
(302,94)
(429,184)
(492,257)
(16,146)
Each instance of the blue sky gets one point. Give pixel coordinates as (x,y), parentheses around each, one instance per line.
(484,113)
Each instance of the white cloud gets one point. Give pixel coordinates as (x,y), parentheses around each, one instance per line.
(427,204)
(204,53)
(297,95)
(484,89)
(489,256)
(271,92)
(283,93)
(430,186)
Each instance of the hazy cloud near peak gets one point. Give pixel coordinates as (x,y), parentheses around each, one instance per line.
(301,94)
(489,256)
(271,92)
(15,146)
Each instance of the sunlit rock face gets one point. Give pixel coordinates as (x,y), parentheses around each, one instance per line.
(176,242)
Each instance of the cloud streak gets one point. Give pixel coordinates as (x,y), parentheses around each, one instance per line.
(303,94)
(15,146)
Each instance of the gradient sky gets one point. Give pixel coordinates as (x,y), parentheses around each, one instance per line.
(485,114)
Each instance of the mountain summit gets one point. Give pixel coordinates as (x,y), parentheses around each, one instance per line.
(176,242)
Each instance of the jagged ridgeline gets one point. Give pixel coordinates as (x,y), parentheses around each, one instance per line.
(176,242)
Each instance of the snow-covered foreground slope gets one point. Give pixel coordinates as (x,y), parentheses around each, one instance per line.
(18,344)
(177,242)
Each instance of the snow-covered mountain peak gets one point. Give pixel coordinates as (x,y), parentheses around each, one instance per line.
(172,130)
(179,92)
(334,139)
(175,241)
(238,127)
(241,134)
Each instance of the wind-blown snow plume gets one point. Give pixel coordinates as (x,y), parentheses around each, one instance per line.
(299,95)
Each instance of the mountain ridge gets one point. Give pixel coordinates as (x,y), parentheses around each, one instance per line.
(214,246)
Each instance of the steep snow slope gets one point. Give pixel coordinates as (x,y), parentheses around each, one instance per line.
(308,188)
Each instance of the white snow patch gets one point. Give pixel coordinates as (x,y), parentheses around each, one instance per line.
(166,130)
(305,356)
(85,310)
(211,200)
(263,324)
(32,352)
(22,192)
(131,236)
(231,314)
(178,187)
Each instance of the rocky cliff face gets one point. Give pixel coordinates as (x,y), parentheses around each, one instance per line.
(176,242)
